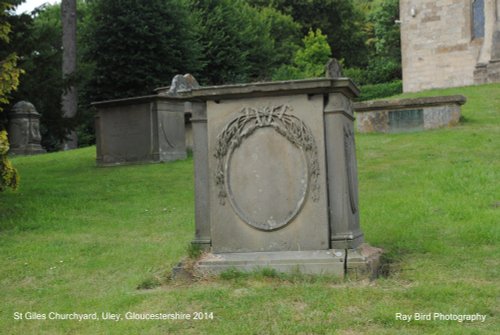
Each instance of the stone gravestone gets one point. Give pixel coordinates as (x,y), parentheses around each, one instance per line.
(143,129)
(276,178)
(24,130)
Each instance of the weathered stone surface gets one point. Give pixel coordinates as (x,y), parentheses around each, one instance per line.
(254,181)
(275,175)
(406,120)
(266,174)
(408,114)
(376,121)
(409,103)
(325,262)
(24,130)
(140,130)
(275,88)
(441,116)
(363,262)
(202,236)
(180,83)
(345,232)
(333,69)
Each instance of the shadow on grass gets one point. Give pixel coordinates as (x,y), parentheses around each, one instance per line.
(390,263)
(13,217)
(466,120)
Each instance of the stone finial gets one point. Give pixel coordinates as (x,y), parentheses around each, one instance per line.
(333,69)
(24,129)
(24,108)
(182,83)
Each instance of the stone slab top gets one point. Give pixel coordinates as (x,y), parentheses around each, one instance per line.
(250,90)
(368,106)
(273,88)
(136,100)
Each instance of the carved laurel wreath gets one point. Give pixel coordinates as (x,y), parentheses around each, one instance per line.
(248,121)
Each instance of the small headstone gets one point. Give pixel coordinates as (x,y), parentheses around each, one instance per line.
(333,69)
(182,83)
(24,129)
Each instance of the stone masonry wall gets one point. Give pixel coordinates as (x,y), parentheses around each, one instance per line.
(437,45)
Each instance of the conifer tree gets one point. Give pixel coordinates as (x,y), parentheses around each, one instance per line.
(136,46)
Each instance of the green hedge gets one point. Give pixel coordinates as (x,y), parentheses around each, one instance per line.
(377,91)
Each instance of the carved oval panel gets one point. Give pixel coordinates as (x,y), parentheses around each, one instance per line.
(266,179)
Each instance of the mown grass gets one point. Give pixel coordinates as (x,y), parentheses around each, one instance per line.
(76,238)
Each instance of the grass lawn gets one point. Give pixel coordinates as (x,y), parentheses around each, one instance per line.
(80,239)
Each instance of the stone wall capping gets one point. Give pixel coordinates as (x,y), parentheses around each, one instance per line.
(372,105)
(136,100)
(257,89)
(274,88)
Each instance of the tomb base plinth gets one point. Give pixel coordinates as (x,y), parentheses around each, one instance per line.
(362,262)
(30,149)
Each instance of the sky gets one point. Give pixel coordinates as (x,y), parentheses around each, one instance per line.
(29,5)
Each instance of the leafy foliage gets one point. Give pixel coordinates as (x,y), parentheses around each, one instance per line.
(382,39)
(309,61)
(386,35)
(8,174)
(377,91)
(286,35)
(340,20)
(385,63)
(9,72)
(39,44)
(128,48)
(9,80)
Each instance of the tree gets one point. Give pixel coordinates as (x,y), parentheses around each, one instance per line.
(69,96)
(236,40)
(385,43)
(340,20)
(136,46)
(9,80)
(38,42)
(309,61)
(286,35)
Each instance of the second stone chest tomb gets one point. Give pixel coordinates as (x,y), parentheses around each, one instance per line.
(276,177)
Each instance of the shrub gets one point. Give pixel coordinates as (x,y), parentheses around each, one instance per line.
(9,80)
(377,91)
(309,61)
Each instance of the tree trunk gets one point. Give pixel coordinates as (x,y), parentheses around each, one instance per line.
(69,96)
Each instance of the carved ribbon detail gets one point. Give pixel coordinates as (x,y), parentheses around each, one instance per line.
(247,121)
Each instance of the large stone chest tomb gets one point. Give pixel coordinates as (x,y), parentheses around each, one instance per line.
(276,178)
(140,130)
